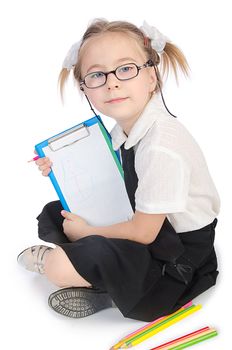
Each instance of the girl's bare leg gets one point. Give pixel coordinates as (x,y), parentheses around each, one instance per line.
(60,271)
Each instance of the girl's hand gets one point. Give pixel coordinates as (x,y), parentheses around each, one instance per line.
(74,226)
(44,165)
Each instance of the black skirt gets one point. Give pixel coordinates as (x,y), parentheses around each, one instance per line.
(144,281)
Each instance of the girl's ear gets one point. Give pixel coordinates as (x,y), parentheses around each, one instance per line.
(153,79)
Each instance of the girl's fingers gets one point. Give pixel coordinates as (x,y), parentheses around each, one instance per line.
(44,167)
(42,161)
(46,172)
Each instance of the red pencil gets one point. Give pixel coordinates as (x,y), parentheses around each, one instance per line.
(160,347)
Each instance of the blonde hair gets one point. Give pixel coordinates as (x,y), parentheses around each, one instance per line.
(172,57)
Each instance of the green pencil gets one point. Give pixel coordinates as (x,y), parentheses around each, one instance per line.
(194,341)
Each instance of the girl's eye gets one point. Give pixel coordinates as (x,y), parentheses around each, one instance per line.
(126,69)
(96,75)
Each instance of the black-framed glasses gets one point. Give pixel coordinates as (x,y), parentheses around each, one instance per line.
(125,72)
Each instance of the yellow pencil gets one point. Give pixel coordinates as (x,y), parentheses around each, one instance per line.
(140,339)
(140,330)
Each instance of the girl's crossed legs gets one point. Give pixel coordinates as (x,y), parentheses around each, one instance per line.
(77,298)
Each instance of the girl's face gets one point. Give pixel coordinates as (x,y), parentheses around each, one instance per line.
(125,100)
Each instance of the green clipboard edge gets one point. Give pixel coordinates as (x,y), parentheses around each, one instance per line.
(103,130)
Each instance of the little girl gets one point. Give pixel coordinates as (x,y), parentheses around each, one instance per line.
(164,256)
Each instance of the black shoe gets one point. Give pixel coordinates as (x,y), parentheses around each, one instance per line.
(77,302)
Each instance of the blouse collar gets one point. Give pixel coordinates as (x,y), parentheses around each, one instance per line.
(152,111)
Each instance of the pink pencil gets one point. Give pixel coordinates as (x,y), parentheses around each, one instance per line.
(33,159)
(174,341)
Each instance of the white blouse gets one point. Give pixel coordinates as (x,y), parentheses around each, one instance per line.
(173,177)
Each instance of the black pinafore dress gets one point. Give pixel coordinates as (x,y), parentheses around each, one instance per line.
(144,281)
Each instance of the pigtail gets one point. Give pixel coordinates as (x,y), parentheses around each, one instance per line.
(173,59)
(63,77)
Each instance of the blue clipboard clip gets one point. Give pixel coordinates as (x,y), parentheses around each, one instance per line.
(68,137)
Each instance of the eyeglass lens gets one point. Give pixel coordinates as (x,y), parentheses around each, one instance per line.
(124,72)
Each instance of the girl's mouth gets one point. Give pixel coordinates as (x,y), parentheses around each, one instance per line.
(117,100)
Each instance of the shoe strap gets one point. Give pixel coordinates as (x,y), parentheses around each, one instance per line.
(39,258)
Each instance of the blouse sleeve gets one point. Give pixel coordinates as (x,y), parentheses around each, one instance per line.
(163,181)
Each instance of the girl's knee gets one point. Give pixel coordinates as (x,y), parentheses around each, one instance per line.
(60,271)
(54,266)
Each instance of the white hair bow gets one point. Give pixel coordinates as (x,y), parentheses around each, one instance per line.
(71,57)
(158,40)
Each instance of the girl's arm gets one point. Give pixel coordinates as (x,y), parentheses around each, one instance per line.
(142,228)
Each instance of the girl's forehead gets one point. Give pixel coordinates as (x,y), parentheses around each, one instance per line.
(109,47)
(110,39)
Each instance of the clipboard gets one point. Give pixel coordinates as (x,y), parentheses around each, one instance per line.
(87,174)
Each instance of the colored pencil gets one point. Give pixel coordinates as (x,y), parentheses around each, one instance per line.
(149,325)
(33,159)
(181,339)
(194,341)
(137,339)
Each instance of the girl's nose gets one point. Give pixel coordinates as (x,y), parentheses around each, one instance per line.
(112,81)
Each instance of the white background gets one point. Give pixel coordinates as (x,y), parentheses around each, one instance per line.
(35,36)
